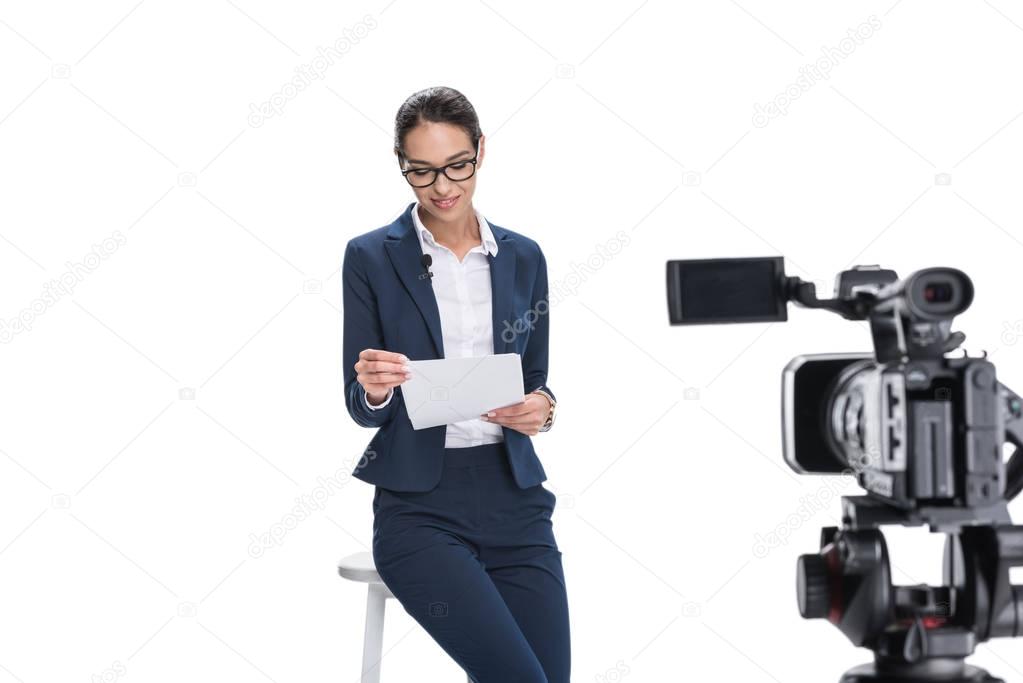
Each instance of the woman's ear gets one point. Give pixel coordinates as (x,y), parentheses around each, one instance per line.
(479,156)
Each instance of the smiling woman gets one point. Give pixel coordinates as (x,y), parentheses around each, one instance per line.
(429,125)
(462,531)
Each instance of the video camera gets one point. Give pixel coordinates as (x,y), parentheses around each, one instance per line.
(923,432)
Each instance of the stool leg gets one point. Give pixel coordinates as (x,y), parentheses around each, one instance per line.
(373,640)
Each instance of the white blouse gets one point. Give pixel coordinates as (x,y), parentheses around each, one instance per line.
(464,296)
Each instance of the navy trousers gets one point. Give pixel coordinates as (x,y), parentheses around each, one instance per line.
(474,561)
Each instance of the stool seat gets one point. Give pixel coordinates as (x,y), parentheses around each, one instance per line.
(359,567)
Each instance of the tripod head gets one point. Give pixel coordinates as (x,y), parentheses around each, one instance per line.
(917,633)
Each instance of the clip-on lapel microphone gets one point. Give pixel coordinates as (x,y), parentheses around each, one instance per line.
(426,261)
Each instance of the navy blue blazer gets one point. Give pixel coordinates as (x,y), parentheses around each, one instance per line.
(387,306)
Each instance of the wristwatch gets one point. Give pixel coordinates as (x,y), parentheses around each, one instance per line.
(550,415)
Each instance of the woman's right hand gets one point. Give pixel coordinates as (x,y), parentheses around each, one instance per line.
(380,371)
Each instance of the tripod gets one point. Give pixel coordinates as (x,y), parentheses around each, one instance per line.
(919,634)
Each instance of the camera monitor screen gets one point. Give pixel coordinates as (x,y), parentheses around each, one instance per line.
(734,290)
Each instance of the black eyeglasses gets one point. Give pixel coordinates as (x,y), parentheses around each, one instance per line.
(456,171)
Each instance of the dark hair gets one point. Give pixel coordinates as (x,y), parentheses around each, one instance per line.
(438,104)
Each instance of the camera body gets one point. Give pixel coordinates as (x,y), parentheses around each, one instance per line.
(918,433)
(916,427)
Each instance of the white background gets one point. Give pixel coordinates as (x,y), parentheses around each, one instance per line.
(175,401)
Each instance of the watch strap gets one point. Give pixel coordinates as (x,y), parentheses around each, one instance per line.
(550,413)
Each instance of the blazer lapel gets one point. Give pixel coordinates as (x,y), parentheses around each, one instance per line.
(405,253)
(502,287)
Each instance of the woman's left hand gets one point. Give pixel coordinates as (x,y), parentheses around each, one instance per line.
(526,417)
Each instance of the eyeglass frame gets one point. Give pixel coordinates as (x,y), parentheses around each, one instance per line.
(443,169)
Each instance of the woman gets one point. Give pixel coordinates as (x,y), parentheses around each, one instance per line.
(462,530)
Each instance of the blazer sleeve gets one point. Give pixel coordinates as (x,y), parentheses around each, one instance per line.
(361,330)
(534,360)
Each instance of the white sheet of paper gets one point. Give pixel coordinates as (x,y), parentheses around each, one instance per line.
(449,390)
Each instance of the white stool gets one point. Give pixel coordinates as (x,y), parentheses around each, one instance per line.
(360,567)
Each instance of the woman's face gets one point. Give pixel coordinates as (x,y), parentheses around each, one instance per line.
(432,145)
